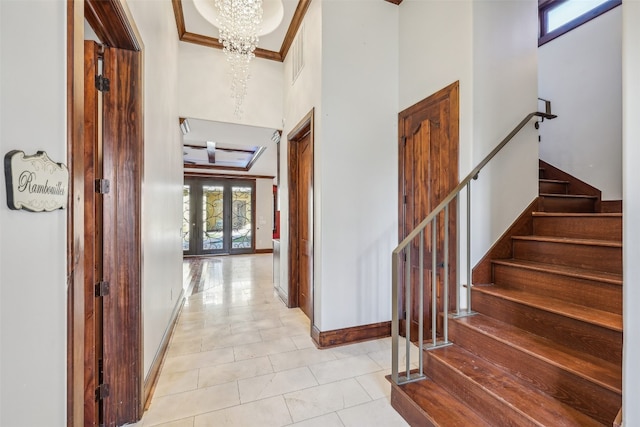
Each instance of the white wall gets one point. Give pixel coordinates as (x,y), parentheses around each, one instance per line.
(300,97)
(580,72)
(504,92)
(445,41)
(33,289)
(162,179)
(436,50)
(357,163)
(631,173)
(204,85)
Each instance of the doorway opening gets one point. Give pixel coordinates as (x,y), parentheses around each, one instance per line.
(218,216)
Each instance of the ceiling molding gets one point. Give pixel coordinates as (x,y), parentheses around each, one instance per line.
(213,42)
(543,3)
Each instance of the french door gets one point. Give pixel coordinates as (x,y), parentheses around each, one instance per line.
(218,216)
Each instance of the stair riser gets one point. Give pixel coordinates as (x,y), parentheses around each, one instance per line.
(406,407)
(581,336)
(604,228)
(599,258)
(424,403)
(598,295)
(553,188)
(473,394)
(590,398)
(560,204)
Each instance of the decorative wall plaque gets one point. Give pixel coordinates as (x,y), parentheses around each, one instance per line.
(35,183)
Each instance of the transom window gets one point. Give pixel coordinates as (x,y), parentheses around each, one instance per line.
(558,17)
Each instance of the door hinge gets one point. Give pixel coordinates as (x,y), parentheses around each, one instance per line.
(404,140)
(102,391)
(102,288)
(405,199)
(102,186)
(102,83)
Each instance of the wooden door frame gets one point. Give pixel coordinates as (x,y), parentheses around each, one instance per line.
(452,92)
(112,23)
(302,129)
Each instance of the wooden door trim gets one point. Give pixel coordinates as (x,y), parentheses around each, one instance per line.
(121,35)
(75,214)
(302,129)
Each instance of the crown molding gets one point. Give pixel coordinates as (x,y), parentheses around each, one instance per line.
(213,42)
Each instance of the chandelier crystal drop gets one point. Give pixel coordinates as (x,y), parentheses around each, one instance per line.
(240,22)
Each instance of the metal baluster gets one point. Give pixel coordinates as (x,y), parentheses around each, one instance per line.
(458,279)
(421,305)
(469,247)
(407,310)
(395,321)
(434,283)
(445,297)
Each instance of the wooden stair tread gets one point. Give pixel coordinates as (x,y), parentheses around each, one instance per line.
(553,181)
(435,405)
(568,196)
(576,214)
(585,314)
(591,368)
(578,273)
(533,404)
(570,240)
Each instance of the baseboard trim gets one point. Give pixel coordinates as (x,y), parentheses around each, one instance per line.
(337,337)
(282,295)
(264,251)
(151,380)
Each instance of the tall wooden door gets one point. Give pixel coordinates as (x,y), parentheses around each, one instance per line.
(122,259)
(428,172)
(305,165)
(112,255)
(92,234)
(300,156)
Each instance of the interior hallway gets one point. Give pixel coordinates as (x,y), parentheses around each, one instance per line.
(239,357)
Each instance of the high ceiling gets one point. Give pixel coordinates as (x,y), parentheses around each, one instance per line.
(194,28)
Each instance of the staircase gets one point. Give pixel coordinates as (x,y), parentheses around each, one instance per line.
(545,348)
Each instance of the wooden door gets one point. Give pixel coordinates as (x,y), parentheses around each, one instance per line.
(303,205)
(92,235)
(300,156)
(122,163)
(428,172)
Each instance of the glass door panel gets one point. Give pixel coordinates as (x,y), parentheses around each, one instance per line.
(186,218)
(218,216)
(241,217)
(213,226)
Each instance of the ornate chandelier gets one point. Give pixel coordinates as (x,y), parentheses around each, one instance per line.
(239,24)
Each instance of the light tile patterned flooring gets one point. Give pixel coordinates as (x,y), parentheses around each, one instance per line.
(239,357)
